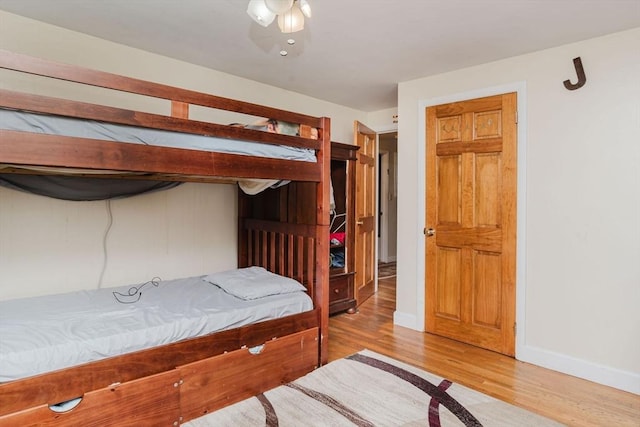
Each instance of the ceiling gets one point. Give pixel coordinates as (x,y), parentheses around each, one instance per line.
(352,53)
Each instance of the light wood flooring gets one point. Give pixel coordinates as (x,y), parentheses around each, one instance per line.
(567,399)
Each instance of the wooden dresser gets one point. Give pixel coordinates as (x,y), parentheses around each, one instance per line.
(342,233)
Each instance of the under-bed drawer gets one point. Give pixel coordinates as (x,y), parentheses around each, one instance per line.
(219,381)
(149,401)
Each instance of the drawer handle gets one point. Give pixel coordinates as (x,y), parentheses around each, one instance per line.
(336,291)
(257,349)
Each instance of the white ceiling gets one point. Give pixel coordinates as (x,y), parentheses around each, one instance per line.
(351,52)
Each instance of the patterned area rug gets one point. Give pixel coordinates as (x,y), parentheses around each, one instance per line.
(368,389)
(386,270)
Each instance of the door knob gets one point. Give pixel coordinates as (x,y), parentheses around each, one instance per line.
(431,232)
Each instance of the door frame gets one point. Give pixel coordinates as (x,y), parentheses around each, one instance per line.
(520,89)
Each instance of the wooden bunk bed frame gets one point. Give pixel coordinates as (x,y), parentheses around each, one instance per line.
(174,383)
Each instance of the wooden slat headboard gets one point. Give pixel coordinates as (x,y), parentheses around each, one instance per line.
(282,248)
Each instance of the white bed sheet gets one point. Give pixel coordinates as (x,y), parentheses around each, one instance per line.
(58,125)
(42,334)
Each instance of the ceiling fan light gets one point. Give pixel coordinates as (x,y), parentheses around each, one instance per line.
(258,11)
(305,8)
(278,6)
(292,20)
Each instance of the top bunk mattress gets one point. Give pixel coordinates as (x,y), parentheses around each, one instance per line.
(42,334)
(57,125)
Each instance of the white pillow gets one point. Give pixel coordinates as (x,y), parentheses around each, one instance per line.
(253,282)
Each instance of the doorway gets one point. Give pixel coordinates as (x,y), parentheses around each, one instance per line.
(387,197)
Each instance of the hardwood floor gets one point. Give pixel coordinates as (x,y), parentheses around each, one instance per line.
(567,399)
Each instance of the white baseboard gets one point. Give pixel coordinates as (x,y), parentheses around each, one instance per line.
(406,320)
(605,375)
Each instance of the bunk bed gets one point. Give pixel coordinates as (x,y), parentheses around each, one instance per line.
(172,383)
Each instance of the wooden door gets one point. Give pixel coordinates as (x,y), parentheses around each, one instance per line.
(365,215)
(471,221)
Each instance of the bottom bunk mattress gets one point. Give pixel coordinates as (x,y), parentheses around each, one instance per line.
(47,333)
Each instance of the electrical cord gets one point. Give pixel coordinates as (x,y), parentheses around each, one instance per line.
(104,242)
(135,292)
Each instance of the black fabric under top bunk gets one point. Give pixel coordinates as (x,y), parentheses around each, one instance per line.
(80,188)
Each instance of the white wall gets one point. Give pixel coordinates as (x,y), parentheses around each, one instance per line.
(383,120)
(49,246)
(579,270)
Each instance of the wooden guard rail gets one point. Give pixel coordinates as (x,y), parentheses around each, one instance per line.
(285,249)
